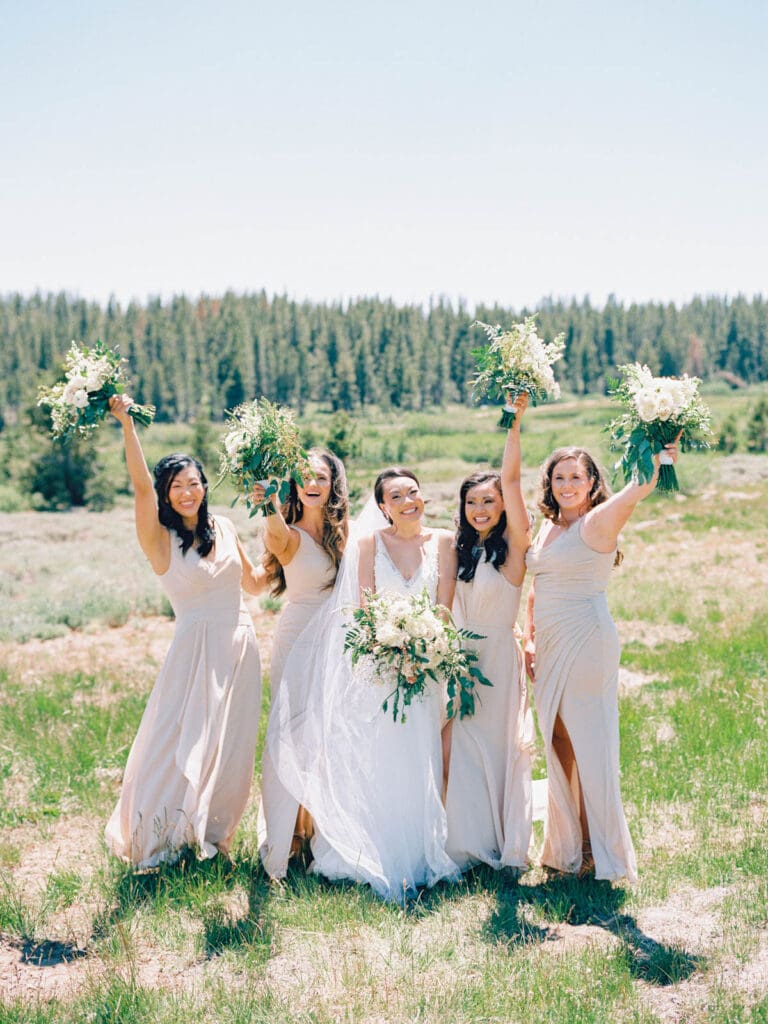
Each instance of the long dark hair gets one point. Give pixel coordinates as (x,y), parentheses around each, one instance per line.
(335,521)
(390,473)
(165,472)
(598,492)
(468,548)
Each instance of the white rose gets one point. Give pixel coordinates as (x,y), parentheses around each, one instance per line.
(646,405)
(664,405)
(389,635)
(80,399)
(77,381)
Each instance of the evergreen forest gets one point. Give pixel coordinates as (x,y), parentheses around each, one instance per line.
(188,355)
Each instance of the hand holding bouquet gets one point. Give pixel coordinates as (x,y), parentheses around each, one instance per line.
(403,643)
(657,410)
(262,448)
(517,361)
(81,401)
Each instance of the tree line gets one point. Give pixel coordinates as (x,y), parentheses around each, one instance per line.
(188,356)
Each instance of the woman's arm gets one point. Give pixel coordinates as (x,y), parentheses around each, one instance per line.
(254,578)
(603,524)
(447,566)
(279,539)
(529,634)
(154,539)
(365,575)
(518,533)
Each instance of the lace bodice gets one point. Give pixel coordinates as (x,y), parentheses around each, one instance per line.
(388,577)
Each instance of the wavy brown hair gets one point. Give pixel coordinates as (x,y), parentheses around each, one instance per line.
(598,492)
(335,521)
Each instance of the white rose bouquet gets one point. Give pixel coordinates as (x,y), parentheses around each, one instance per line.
(516,360)
(656,411)
(262,446)
(403,642)
(81,401)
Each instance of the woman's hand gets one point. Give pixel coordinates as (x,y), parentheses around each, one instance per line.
(119,406)
(529,654)
(520,404)
(670,450)
(259,494)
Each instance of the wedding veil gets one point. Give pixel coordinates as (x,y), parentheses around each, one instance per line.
(321,726)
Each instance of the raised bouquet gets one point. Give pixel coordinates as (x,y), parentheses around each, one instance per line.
(262,446)
(403,643)
(656,411)
(516,361)
(81,401)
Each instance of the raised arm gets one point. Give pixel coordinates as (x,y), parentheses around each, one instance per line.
(154,539)
(603,524)
(279,539)
(518,521)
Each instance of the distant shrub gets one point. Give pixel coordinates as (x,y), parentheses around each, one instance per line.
(757,427)
(728,438)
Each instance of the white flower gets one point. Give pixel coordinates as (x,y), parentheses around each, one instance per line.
(388,634)
(80,399)
(646,403)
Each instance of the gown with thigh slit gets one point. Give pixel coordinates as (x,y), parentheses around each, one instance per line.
(488,802)
(189,771)
(386,825)
(307,577)
(577,664)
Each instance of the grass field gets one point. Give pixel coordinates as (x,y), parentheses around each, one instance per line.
(83,629)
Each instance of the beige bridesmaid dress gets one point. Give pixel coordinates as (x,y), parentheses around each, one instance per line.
(307,575)
(577,664)
(488,801)
(189,771)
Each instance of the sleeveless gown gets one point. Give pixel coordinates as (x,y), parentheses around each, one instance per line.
(577,665)
(488,802)
(398,820)
(189,771)
(306,576)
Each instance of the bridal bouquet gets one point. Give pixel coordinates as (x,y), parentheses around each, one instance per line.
(656,411)
(262,446)
(516,360)
(403,643)
(81,401)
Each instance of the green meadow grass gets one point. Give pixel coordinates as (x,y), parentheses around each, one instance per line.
(235,948)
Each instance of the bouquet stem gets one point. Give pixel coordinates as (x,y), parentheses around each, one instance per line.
(667,479)
(143,414)
(508,415)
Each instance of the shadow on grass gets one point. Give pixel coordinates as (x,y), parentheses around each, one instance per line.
(204,887)
(575,901)
(49,953)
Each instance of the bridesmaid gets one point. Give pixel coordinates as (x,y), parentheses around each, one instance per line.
(572,655)
(305,540)
(488,802)
(189,771)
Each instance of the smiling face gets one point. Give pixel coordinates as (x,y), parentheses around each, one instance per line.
(402,502)
(571,486)
(317,487)
(483,506)
(186,492)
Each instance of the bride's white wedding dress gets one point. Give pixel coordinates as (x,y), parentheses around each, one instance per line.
(372,785)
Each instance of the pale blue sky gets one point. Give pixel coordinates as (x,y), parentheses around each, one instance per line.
(489,151)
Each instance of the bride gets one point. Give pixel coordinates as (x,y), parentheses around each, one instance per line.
(372,785)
